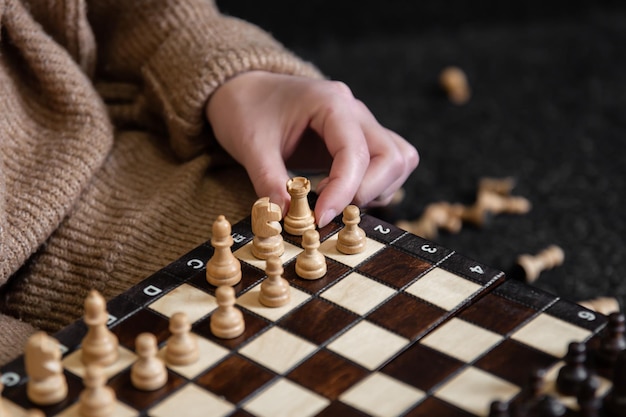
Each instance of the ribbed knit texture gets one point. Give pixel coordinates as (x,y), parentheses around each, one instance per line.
(86,205)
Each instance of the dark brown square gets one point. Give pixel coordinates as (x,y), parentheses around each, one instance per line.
(235,378)
(339,409)
(497,313)
(394,267)
(317,320)
(143,321)
(334,271)
(327,374)
(434,407)
(254,325)
(325,232)
(422,367)
(142,400)
(514,361)
(407,316)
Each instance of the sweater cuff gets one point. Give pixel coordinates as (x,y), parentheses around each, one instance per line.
(191,64)
(13,336)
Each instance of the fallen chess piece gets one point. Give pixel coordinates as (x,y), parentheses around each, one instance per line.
(454,83)
(603,305)
(441,215)
(529,267)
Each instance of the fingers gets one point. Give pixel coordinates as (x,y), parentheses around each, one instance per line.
(269,176)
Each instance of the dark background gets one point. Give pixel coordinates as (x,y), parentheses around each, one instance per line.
(548,108)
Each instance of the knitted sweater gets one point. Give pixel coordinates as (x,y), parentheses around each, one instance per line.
(106,171)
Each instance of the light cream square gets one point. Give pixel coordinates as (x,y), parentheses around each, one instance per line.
(210,353)
(368,344)
(358,293)
(244,253)
(278,350)
(250,300)
(474,390)
(286,399)
(192,401)
(551,335)
(73,363)
(187,299)
(329,248)
(461,340)
(443,289)
(382,396)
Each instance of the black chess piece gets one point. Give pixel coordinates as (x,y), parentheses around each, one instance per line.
(615,401)
(588,402)
(574,372)
(613,341)
(547,406)
(530,395)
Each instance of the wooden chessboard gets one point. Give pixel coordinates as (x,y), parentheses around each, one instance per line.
(406,328)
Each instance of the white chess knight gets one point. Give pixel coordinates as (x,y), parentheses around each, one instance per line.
(266,228)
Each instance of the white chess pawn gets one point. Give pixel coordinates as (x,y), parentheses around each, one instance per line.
(148,373)
(226,321)
(274,289)
(311,263)
(99,346)
(97,399)
(223,268)
(42,358)
(351,239)
(182,346)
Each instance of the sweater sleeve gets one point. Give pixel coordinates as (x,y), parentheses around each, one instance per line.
(179,53)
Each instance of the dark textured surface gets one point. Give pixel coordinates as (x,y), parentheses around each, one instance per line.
(548,108)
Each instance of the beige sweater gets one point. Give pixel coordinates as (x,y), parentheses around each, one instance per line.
(106,171)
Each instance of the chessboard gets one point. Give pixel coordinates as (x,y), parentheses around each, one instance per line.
(405,328)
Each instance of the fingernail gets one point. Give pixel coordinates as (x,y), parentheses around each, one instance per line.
(326,218)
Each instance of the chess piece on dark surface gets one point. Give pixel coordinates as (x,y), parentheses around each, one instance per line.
(613,341)
(266,228)
(351,239)
(615,401)
(548,406)
(534,403)
(528,267)
(47,384)
(223,268)
(574,372)
(588,402)
(300,217)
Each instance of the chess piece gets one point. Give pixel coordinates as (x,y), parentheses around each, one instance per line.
(97,399)
(454,83)
(548,258)
(311,263)
(476,215)
(182,345)
(266,229)
(223,268)
(574,373)
(148,373)
(502,186)
(300,217)
(441,215)
(226,321)
(42,359)
(274,289)
(615,401)
(613,341)
(588,403)
(99,346)
(351,239)
(497,204)
(602,305)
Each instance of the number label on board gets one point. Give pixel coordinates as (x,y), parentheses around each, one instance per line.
(195,263)
(429,249)
(477,269)
(586,315)
(383,230)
